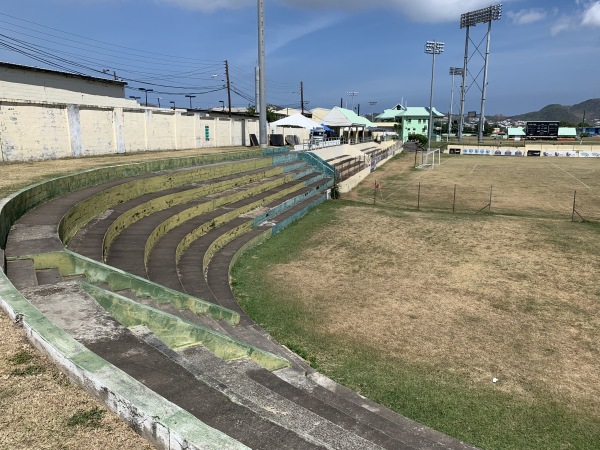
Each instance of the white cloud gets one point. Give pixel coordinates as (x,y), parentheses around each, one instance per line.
(591,16)
(282,36)
(562,24)
(416,10)
(527,16)
(209,5)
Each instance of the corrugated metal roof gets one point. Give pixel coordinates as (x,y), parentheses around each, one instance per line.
(409,111)
(64,74)
(341,117)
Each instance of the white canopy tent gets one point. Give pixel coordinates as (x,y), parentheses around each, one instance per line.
(297,121)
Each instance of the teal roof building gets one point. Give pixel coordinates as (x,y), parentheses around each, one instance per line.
(409,120)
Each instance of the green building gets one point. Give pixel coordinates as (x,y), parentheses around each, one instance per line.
(407,120)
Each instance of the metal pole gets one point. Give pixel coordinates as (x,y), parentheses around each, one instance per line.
(256,91)
(262,71)
(430,128)
(302,96)
(419,197)
(462,89)
(451,104)
(490,204)
(485,77)
(573,212)
(454,200)
(228,86)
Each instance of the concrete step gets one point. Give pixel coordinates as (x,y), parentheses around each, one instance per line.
(127,250)
(48,276)
(21,273)
(99,332)
(231,378)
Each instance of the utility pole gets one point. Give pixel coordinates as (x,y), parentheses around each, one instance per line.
(372,105)
(228,86)
(262,118)
(302,96)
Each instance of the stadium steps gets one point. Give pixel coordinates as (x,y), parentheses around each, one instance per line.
(119,345)
(128,249)
(162,261)
(85,240)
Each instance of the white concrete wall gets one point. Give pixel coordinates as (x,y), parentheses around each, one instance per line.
(97,131)
(29,132)
(37,131)
(134,136)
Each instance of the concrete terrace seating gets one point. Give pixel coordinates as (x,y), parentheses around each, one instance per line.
(121,275)
(347,166)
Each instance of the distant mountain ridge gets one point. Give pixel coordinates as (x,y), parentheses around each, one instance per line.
(567,113)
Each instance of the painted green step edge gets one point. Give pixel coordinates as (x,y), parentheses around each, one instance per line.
(70,264)
(80,214)
(177,333)
(29,197)
(202,229)
(162,422)
(164,202)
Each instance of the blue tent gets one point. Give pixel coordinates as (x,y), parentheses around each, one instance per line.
(326,127)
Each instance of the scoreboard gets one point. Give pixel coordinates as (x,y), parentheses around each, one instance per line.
(545,129)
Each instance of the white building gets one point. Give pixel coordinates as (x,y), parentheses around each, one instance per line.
(18,82)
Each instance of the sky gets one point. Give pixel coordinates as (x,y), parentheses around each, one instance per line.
(541,51)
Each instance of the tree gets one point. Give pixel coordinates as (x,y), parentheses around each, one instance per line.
(565,124)
(419,139)
(271,116)
(487,128)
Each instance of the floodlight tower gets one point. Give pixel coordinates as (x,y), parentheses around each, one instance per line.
(433,48)
(453,71)
(468,20)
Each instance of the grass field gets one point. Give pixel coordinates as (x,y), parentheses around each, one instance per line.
(535,187)
(421,310)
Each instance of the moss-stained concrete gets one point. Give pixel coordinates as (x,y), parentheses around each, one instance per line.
(164,202)
(185,243)
(86,210)
(163,423)
(22,201)
(223,240)
(70,264)
(250,244)
(177,333)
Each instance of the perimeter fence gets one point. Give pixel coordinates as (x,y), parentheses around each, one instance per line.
(576,205)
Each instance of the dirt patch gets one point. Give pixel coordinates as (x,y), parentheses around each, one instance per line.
(37,401)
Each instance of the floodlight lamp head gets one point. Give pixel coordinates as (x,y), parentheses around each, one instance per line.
(434,47)
(481,16)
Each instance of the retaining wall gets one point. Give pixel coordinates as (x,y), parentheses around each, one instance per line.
(36,131)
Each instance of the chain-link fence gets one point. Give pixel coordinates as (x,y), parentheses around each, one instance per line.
(463,199)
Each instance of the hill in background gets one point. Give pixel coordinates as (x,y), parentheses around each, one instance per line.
(565,113)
